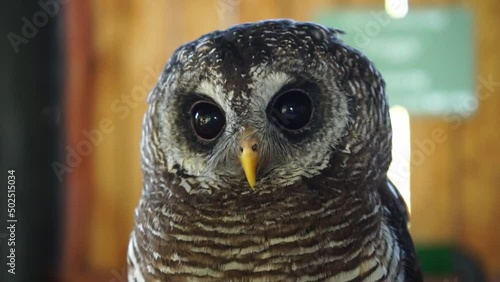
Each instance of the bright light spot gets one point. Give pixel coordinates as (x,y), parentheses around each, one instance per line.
(396,8)
(399,171)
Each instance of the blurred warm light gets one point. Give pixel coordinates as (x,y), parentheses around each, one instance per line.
(396,8)
(399,171)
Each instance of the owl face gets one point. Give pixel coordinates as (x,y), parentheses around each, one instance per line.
(258,106)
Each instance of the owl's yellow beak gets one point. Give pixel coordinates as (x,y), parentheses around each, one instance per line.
(249,157)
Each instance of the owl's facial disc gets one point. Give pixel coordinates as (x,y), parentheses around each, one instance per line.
(315,105)
(249,155)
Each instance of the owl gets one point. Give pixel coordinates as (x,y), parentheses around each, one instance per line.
(264,153)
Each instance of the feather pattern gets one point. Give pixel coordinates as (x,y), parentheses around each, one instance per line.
(323,209)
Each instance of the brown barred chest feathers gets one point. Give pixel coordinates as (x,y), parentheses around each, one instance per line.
(338,239)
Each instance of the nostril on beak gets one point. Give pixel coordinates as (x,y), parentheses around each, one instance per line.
(254,148)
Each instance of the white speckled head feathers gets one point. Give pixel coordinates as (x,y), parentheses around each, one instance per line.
(241,69)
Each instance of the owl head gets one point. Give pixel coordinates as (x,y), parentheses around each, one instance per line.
(265,106)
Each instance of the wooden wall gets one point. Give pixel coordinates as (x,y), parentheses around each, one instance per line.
(455,190)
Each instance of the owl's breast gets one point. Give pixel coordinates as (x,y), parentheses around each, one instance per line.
(339,238)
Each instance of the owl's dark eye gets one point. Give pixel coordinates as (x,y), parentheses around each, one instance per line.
(207,120)
(292,109)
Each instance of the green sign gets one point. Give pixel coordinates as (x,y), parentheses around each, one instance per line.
(426,57)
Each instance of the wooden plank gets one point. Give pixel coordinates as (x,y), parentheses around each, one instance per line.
(131,49)
(200,17)
(109,33)
(431,193)
(257,10)
(78,63)
(480,162)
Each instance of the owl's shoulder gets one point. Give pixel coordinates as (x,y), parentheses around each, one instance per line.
(398,219)
(394,201)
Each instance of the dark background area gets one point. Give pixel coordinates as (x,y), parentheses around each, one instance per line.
(30,137)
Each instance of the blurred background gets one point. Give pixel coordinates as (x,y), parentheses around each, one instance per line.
(75,75)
